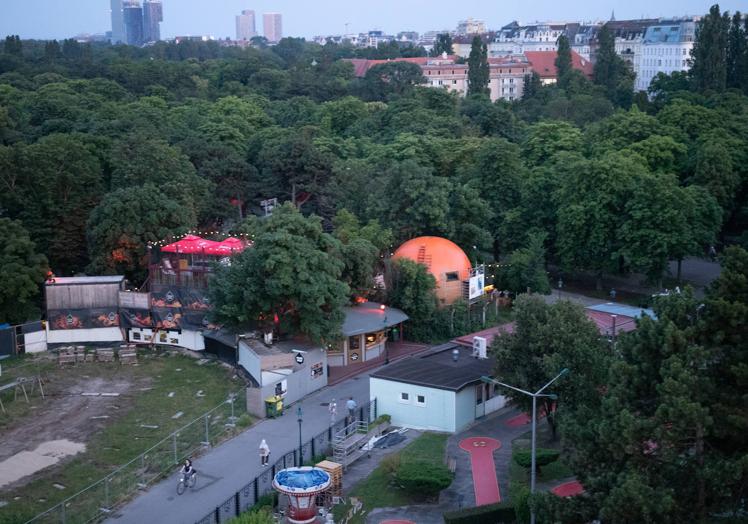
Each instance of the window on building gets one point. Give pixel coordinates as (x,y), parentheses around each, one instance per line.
(511,80)
(440,82)
(452,276)
(511,90)
(354,342)
(136,336)
(421,399)
(454,81)
(404,397)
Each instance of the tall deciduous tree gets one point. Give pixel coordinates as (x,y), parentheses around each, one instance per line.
(442,45)
(610,70)
(545,339)
(291,274)
(709,52)
(526,268)
(563,60)
(125,221)
(478,70)
(22,272)
(411,288)
(737,53)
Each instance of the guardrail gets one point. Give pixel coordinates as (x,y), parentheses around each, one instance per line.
(99,499)
(250,494)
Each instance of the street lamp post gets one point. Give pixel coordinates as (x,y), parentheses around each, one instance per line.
(538,393)
(560,285)
(301,449)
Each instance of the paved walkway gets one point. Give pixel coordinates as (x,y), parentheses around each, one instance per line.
(230,466)
(461,493)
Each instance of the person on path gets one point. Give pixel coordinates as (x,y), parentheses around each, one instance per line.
(333,408)
(264,453)
(351,405)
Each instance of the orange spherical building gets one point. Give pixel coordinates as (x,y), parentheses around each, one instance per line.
(449,264)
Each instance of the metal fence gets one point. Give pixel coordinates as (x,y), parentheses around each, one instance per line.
(99,499)
(249,495)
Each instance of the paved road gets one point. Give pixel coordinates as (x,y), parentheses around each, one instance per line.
(230,466)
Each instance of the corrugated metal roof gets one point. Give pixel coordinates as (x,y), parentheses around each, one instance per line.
(623,310)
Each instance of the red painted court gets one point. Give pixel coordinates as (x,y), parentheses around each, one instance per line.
(568,489)
(485,483)
(397,522)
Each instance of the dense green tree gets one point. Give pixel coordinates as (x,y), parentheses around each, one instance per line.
(715,171)
(532,86)
(525,268)
(563,60)
(410,287)
(22,271)
(391,79)
(126,220)
(737,53)
(709,52)
(611,71)
(291,274)
(13,45)
(478,70)
(53,186)
(545,339)
(545,139)
(442,45)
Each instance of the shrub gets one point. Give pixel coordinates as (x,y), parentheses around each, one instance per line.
(501,513)
(244,420)
(543,457)
(262,516)
(519,494)
(391,463)
(423,478)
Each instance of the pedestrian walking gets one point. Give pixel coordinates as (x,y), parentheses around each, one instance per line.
(333,409)
(712,253)
(264,453)
(351,405)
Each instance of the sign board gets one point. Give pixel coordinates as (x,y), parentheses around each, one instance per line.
(477,283)
(299,358)
(268,205)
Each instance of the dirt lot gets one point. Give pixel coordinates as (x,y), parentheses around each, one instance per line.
(116,411)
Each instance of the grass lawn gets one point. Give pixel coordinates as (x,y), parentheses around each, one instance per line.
(377,491)
(152,394)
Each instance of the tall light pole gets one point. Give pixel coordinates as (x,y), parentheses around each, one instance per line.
(560,285)
(383,309)
(538,393)
(301,449)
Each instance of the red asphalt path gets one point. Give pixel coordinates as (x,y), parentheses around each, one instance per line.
(568,489)
(485,483)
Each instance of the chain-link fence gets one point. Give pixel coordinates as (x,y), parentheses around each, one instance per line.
(100,498)
(248,496)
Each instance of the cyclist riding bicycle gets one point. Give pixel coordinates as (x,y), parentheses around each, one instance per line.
(187,470)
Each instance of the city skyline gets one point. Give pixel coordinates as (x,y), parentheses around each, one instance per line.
(192,17)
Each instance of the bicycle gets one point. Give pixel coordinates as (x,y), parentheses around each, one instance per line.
(184,483)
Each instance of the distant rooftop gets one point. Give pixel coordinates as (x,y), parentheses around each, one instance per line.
(67,281)
(368,317)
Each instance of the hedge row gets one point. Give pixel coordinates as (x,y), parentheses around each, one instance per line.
(501,513)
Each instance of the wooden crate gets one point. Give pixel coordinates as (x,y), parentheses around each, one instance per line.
(335,471)
(105,355)
(64,357)
(128,356)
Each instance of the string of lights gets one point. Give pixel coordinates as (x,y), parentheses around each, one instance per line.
(203,234)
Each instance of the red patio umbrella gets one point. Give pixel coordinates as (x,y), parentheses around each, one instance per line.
(229,246)
(190,244)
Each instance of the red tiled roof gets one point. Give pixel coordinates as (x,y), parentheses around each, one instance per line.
(489,334)
(544,63)
(362,65)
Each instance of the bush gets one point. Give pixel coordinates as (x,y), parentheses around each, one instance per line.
(519,494)
(423,478)
(244,421)
(391,463)
(501,513)
(262,516)
(543,457)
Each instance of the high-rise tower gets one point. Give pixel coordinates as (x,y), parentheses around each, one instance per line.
(133,16)
(153,15)
(118,22)
(272,26)
(245,25)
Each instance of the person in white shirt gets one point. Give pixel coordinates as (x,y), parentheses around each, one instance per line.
(351,405)
(264,453)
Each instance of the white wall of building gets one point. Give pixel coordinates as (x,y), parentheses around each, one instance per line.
(76,336)
(187,339)
(436,412)
(35,342)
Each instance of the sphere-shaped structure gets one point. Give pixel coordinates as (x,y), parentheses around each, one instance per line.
(444,259)
(302,485)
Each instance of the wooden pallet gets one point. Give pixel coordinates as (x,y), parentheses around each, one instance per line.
(105,355)
(128,356)
(335,470)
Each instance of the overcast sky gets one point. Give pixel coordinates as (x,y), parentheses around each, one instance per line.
(65,18)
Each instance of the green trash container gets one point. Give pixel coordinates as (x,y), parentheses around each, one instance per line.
(274,406)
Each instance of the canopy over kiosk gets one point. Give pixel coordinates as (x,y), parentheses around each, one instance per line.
(189,261)
(302,485)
